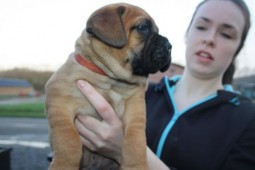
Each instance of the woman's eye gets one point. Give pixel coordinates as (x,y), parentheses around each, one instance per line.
(202,28)
(226,35)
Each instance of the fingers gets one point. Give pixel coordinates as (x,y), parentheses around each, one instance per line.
(83,131)
(91,135)
(92,125)
(98,101)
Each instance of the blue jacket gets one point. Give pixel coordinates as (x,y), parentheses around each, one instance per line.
(217,133)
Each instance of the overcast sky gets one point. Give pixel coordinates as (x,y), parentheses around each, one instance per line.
(40,34)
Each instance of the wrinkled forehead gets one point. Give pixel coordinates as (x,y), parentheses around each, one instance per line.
(138,15)
(130,14)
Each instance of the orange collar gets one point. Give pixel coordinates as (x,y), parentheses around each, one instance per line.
(86,63)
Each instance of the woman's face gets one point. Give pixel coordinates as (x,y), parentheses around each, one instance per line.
(213,38)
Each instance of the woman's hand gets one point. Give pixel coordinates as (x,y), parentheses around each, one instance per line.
(104,137)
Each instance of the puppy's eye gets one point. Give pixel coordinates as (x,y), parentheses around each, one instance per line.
(144,28)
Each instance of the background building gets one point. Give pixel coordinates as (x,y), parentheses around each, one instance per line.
(15,87)
(246,85)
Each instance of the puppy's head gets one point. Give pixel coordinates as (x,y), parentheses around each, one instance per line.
(125,39)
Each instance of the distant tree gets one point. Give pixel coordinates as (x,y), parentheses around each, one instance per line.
(245,71)
(36,78)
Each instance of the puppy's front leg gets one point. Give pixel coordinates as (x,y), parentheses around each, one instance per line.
(65,140)
(134,144)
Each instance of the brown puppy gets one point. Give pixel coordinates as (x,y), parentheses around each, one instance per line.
(115,53)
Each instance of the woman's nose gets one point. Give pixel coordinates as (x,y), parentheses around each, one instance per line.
(209,39)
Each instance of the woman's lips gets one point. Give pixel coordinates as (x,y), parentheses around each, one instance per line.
(204,56)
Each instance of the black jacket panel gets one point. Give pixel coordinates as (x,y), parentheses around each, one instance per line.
(216,134)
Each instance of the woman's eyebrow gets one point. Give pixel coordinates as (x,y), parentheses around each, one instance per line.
(228,26)
(205,19)
(225,25)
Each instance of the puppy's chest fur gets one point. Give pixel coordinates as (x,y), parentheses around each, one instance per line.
(62,85)
(115,100)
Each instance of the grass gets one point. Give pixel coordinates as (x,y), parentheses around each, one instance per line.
(33,110)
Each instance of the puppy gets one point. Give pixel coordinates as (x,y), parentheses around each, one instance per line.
(116,52)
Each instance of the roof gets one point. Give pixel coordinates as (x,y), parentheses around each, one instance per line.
(8,82)
(177,65)
(245,79)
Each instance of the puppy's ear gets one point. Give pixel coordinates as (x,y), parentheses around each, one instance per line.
(106,24)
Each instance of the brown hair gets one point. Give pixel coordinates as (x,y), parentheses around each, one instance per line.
(229,73)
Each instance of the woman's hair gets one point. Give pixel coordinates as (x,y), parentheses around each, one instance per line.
(229,73)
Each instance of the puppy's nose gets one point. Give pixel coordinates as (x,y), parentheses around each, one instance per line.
(168,46)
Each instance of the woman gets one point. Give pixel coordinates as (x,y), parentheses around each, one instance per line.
(196,121)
